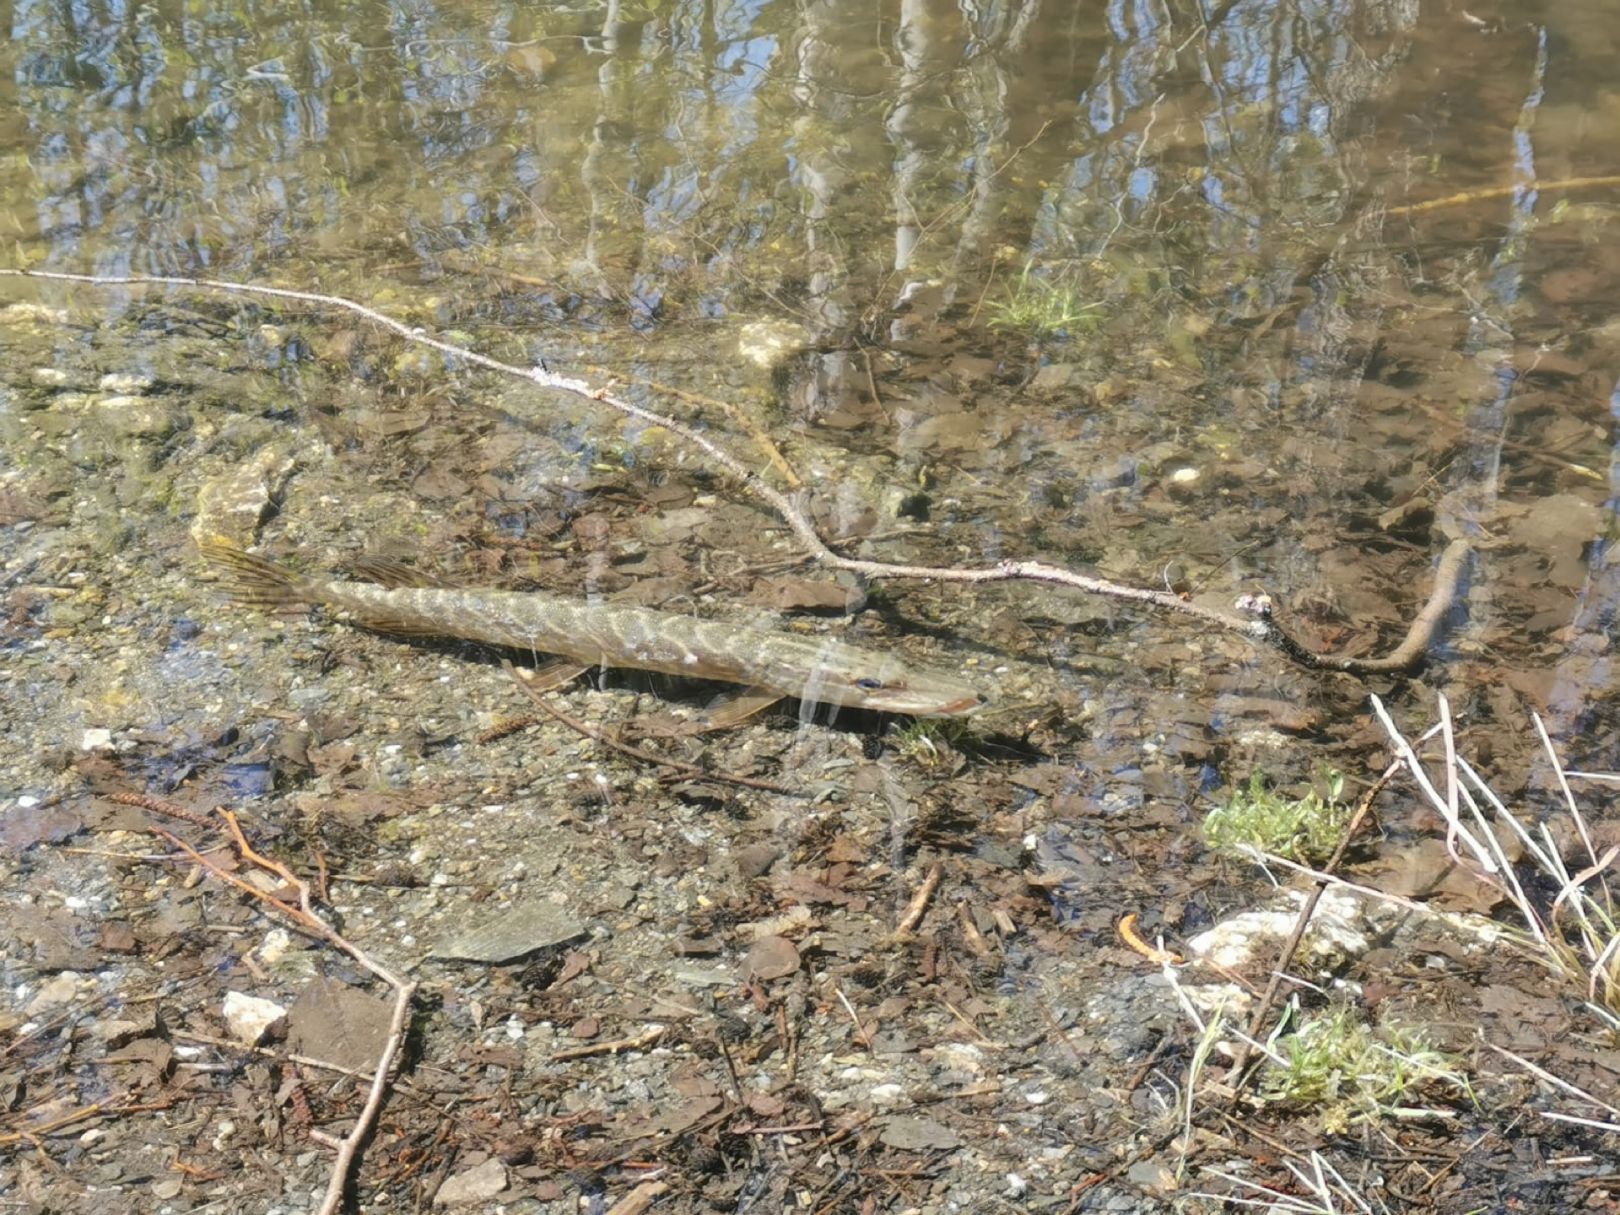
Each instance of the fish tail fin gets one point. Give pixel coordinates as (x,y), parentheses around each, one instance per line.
(253,580)
(395,575)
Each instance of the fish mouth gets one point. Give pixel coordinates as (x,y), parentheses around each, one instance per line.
(935,706)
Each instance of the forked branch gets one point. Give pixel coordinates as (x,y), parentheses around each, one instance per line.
(791,507)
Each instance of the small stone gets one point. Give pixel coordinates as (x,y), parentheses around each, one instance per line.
(697,976)
(27,312)
(512,933)
(96,739)
(125,382)
(911,1134)
(247,1018)
(1148,1175)
(772,958)
(135,417)
(142,1022)
(754,860)
(275,945)
(1054,376)
(1115,473)
(769,343)
(478,1184)
(63,989)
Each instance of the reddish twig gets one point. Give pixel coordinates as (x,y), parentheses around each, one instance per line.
(918,907)
(304,916)
(158,806)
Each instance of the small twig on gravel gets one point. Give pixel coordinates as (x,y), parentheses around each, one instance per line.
(281,1056)
(158,806)
(303,915)
(639,1199)
(639,1042)
(648,757)
(860,1033)
(1240,1065)
(918,907)
(100,1109)
(792,506)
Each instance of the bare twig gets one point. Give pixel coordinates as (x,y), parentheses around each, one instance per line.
(303,915)
(918,907)
(640,1198)
(791,506)
(640,1042)
(1469,196)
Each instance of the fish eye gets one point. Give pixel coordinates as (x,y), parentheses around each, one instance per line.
(869,684)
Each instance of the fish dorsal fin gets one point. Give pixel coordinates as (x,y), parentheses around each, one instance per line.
(396,574)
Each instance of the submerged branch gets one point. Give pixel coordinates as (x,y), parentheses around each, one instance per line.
(791,507)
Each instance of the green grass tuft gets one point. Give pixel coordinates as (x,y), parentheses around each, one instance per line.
(1306,829)
(1353,1072)
(1043,306)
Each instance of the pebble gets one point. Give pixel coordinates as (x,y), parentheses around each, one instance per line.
(247,1018)
(478,1184)
(63,989)
(772,958)
(135,417)
(753,860)
(125,382)
(769,343)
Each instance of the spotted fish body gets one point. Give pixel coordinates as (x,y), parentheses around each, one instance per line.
(814,669)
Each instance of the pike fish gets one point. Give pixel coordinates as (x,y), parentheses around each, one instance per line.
(770,663)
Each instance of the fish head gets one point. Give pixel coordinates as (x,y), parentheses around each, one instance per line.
(890,686)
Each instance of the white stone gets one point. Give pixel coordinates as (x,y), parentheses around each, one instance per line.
(95,739)
(125,382)
(248,1017)
(767,343)
(275,946)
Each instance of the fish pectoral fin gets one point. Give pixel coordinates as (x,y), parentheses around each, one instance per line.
(722,714)
(549,676)
(734,709)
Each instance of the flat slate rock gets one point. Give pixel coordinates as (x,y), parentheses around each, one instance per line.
(512,932)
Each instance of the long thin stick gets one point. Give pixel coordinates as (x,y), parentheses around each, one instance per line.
(791,507)
(304,916)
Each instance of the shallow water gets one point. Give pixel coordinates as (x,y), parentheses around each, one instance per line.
(1279,299)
